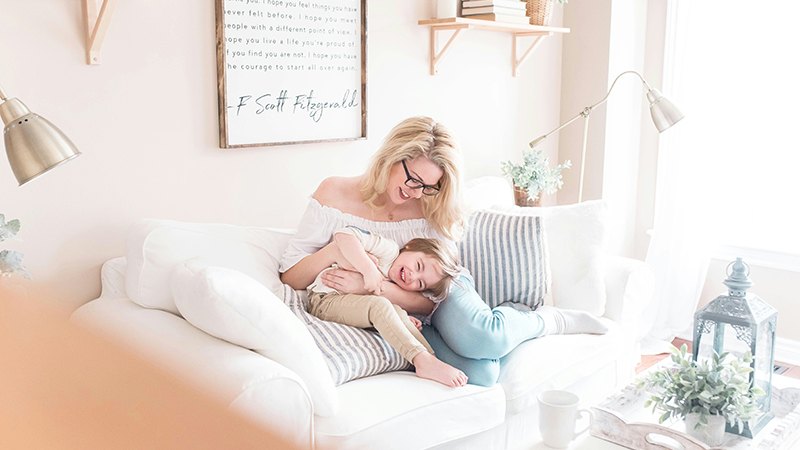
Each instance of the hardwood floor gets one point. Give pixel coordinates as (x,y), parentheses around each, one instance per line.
(784,369)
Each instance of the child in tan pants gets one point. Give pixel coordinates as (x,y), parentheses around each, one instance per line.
(421,265)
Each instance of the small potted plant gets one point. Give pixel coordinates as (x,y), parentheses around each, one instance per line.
(706,394)
(10,260)
(534,176)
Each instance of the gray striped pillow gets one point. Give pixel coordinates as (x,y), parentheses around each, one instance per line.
(507,256)
(349,352)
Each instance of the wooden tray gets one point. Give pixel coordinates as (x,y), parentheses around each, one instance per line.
(623,420)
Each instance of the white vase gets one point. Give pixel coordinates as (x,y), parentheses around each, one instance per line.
(446,8)
(712,434)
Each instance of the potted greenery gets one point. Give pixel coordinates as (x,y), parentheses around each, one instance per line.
(704,394)
(10,260)
(534,176)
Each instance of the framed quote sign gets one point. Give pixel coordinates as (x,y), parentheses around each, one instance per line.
(291,71)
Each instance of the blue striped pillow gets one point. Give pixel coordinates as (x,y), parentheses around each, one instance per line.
(349,352)
(507,256)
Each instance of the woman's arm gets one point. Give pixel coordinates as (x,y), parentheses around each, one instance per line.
(350,282)
(300,275)
(411,301)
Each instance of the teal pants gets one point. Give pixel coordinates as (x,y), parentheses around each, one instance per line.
(469,335)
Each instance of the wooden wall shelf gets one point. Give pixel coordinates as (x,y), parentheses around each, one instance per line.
(97,15)
(456,24)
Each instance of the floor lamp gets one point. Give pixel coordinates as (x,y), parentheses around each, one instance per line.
(662,111)
(33,144)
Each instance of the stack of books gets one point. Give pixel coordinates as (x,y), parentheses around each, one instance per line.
(512,11)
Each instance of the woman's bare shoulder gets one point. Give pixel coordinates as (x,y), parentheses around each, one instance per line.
(337,192)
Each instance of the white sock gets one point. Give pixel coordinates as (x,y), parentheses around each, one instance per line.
(570,321)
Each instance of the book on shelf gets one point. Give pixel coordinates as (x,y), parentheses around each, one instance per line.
(492,10)
(502,18)
(512,4)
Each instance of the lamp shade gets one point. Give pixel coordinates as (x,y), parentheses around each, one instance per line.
(662,111)
(33,144)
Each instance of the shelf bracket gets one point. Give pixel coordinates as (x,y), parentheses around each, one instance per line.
(516,62)
(97,19)
(436,57)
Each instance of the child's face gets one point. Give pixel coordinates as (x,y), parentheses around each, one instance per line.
(415,271)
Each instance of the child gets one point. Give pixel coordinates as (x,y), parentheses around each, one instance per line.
(421,265)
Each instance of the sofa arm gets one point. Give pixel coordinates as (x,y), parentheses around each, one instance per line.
(630,285)
(258,387)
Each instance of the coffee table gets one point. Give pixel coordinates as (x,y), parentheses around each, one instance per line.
(624,422)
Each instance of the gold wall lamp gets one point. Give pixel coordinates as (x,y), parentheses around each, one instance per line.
(33,144)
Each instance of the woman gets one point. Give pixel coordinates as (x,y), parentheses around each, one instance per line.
(412,189)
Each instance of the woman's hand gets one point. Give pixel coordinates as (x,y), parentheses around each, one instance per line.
(416,322)
(345,281)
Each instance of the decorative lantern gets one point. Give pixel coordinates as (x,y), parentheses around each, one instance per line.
(736,323)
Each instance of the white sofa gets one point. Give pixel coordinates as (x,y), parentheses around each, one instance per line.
(395,409)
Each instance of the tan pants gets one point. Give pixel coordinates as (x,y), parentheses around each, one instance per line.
(371,311)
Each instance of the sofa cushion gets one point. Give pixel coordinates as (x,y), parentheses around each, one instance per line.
(350,352)
(559,361)
(155,246)
(507,257)
(575,241)
(230,305)
(402,411)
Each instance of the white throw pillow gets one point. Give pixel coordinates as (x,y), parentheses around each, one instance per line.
(575,242)
(232,306)
(156,246)
(487,192)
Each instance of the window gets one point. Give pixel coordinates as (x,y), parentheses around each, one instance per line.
(735,76)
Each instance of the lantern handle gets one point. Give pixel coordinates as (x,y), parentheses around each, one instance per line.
(728,268)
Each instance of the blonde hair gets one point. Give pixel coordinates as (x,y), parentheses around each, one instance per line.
(412,138)
(447,260)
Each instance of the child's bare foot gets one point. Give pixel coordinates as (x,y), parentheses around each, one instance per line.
(430,367)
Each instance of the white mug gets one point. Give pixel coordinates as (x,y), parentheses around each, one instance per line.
(558,414)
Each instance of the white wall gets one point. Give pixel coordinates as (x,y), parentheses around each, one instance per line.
(146,122)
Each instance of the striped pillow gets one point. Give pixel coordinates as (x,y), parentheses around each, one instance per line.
(349,352)
(507,256)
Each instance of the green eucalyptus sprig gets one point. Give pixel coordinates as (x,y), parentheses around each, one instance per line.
(719,385)
(535,175)
(10,260)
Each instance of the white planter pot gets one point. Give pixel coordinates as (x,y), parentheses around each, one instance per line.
(712,434)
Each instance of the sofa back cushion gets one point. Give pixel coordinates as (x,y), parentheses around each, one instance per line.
(155,247)
(575,236)
(506,254)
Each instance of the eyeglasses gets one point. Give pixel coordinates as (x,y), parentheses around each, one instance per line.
(416,183)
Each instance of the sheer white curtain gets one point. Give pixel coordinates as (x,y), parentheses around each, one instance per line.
(678,250)
(728,173)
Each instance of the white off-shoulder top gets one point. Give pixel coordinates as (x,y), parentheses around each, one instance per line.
(319,222)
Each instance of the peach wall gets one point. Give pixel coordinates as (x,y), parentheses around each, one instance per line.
(146,122)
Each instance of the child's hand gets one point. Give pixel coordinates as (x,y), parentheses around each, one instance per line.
(416,322)
(373,258)
(373,281)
